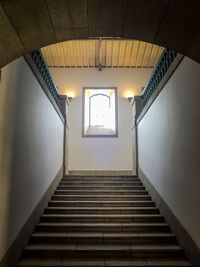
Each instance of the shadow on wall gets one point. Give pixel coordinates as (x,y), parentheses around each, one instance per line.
(8,101)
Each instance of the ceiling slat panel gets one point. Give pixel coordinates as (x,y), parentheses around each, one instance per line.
(75,54)
(85,53)
(49,56)
(140,55)
(88,53)
(114,53)
(154,55)
(126,52)
(67,56)
(151,59)
(61,55)
(79,57)
(104,52)
(55,56)
(71,53)
(135,54)
(97,48)
(145,54)
(149,55)
(118,53)
(131,53)
(123,54)
(93,53)
(109,53)
(145,57)
(46,56)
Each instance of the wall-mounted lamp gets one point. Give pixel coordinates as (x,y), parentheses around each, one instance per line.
(129,94)
(70,95)
(69,98)
(129,99)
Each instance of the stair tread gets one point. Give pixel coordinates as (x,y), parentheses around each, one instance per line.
(105,215)
(99,234)
(103,186)
(81,262)
(95,190)
(104,221)
(104,208)
(53,246)
(103,224)
(103,201)
(102,182)
(100,177)
(101,196)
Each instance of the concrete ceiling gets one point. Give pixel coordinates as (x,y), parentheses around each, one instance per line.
(102,53)
(26,24)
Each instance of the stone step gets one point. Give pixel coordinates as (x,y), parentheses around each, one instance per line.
(103,227)
(100,183)
(102,210)
(102,221)
(104,238)
(101,192)
(105,250)
(96,177)
(100,180)
(107,188)
(102,197)
(81,262)
(62,203)
(149,218)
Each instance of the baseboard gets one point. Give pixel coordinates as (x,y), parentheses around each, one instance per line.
(13,253)
(100,173)
(192,251)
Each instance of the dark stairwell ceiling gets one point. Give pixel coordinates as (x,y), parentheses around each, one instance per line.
(26,25)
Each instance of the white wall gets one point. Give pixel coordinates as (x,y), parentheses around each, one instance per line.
(31,148)
(100,153)
(169,145)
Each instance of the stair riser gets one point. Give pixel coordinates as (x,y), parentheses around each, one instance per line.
(102,192)
(101,211)
(102,188)
(99,184)
(102,220)
(110,205)
(69,264)
(101,240)
(104,253)
(106,229)
(100,198)
(101,179)
(80,227)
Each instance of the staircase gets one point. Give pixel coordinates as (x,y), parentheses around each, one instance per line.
(102,221)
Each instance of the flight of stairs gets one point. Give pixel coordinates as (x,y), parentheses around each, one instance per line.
(102,221)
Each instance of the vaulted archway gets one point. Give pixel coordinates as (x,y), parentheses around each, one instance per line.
(27,25)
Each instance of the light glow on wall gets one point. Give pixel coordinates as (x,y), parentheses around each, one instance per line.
(70,93)
(129,93)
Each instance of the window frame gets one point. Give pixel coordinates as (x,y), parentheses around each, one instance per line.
(116,112)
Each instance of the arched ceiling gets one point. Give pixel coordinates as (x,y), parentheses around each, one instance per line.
(102,53)
(29,24)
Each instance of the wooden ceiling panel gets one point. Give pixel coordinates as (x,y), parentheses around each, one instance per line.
(110,53)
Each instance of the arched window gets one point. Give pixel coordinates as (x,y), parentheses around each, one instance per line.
(100,112)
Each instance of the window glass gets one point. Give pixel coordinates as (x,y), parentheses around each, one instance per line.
(100,112)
